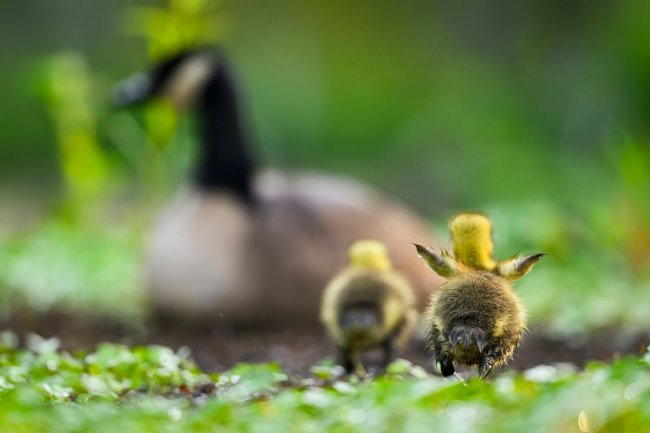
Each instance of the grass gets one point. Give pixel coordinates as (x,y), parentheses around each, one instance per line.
(154,389)
(61,263)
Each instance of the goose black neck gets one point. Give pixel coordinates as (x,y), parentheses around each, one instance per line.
(224,159)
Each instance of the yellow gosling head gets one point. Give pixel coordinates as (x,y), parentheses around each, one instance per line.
(471,236)
(369,254)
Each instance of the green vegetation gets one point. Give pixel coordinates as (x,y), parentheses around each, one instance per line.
(176,25)
(153,389)
(479,135)
(73,266)
(535,113)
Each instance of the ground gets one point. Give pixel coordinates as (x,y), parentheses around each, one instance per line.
(296,350)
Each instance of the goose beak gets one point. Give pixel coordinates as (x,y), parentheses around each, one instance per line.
(133,90)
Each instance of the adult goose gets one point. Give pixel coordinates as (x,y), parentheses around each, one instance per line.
(250,248)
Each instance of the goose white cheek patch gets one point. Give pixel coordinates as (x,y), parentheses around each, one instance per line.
(186,84)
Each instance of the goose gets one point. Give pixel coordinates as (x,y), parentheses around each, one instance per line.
(246,247)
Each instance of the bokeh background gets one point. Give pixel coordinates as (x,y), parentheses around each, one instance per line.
(537,113)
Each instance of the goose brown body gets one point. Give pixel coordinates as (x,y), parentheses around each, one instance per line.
(474,317)
(212,259)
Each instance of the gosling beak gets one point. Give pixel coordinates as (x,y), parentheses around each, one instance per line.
(133,90)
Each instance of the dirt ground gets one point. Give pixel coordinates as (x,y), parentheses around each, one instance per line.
(295,349)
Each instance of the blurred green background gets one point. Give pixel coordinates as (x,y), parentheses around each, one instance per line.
(535,112)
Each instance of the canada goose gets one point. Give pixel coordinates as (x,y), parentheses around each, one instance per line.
(474,318)
(250,248)
(368,304)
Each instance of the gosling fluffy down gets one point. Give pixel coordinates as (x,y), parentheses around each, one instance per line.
(368,304)
(475,317)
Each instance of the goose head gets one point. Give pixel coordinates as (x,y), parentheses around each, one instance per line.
(180,78)
(201,79)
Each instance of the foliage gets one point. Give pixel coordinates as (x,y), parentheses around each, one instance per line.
(153,389)
(79,267)
(598,248)
(180,25)
(67,89)
(106,374)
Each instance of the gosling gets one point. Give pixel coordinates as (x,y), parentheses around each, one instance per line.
(368,304)
(475,317)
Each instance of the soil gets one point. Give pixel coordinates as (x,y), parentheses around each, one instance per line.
(295,349)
